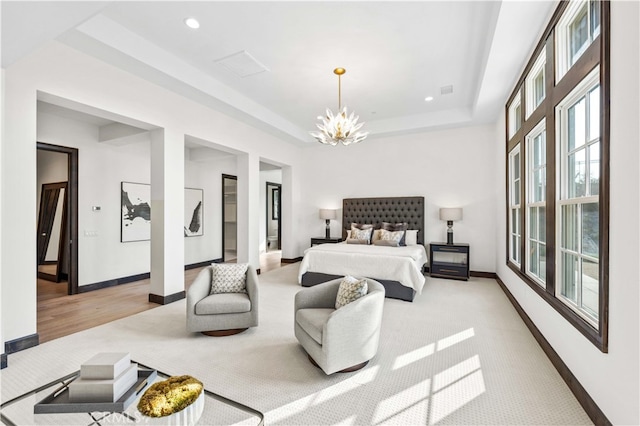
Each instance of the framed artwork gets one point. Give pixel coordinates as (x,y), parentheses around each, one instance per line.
(135,221)
(275,203)
(193,212)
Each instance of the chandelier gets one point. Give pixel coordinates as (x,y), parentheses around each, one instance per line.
(339,128)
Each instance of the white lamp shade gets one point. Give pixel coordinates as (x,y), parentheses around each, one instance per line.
(451,214)
(327,214)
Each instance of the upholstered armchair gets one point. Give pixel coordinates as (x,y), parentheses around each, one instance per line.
(229,311)
(339,340)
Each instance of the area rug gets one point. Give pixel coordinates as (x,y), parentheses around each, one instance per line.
(459,354)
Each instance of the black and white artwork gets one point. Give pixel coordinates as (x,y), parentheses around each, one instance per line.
(193,212)
(135,211)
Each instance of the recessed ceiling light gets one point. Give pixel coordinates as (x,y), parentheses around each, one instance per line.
(192,23)
(428,99)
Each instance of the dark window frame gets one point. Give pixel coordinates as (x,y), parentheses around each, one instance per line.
(596,55)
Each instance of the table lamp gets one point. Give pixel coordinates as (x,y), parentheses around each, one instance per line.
(327,215)
(450,214)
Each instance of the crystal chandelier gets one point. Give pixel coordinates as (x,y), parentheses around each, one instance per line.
(340,127)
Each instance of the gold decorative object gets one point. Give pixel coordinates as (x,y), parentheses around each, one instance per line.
(170,396)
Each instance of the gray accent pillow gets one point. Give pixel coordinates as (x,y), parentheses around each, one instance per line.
(350,289)
(229,278)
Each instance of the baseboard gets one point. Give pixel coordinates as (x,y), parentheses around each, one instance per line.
(477,274)
(21,343)
(165,300)
(292,260)
(133,278)
(3,361)
(202,264)
(480,274)
(583,397)
(112,283)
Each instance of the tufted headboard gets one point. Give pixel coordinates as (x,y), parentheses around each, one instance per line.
(387,209)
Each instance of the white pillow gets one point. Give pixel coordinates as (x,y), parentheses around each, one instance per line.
(361,234)
(350,289)
(411,238)
(229,278)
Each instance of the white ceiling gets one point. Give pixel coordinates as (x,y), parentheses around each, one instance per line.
(395,53)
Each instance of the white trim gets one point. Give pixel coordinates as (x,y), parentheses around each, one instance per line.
(537,68)
(563,61)
(512,184)
(539,129)
(512,115)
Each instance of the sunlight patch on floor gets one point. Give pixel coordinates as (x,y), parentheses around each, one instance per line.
(414,356)
(460,387)
(455,339)
(410,403)
(291,409)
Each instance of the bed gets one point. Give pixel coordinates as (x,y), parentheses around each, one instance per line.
(399,269)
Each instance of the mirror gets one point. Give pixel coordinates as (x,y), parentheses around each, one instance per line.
(273,216)
(52,228)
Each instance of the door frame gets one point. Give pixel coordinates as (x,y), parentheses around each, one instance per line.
(267,218)
(72,209)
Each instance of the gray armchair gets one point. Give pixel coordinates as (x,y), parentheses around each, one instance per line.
(342,339)
(225,313)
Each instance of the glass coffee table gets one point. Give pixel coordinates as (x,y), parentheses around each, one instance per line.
(43,406)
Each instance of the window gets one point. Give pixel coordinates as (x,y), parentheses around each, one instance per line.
(514,205)
(515,115)
(578,122)
(535,83)
(536,203)
(577,29)
(557,169)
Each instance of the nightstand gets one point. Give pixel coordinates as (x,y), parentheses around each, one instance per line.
(449,260)
(323,240)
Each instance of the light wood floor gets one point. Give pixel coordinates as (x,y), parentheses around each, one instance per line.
(60,314)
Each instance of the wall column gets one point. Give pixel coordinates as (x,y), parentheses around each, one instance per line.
(249,209)
(167,216)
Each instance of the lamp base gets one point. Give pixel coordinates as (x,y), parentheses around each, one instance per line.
(327,231)
(449,232)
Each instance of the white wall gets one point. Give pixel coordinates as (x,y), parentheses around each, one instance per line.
(611,379)
(207,175)
(66,73)
(450,168)
(101,168)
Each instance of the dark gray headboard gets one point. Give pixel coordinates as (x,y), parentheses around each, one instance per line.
(384,209)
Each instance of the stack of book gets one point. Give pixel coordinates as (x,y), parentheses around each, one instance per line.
(104,378)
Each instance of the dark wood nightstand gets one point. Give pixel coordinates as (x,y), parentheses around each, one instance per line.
(323,240)
(449,260)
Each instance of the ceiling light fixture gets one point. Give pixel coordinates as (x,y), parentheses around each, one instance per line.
(339,128)
(192,23)
(428,99)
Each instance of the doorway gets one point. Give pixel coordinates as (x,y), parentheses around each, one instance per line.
(229,218)
(58,215)
(273,218)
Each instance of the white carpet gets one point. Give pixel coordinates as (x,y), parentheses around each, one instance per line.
(459,354)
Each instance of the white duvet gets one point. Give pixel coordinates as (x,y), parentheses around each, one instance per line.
(403,264)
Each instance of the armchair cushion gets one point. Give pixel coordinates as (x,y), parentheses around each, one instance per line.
(313,321)
(228,278)
(350,289)
(223,303)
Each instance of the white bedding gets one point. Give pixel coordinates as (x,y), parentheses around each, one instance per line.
(402,264)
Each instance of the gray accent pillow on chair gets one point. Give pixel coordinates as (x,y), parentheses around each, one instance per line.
(229,278)
(350,289)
